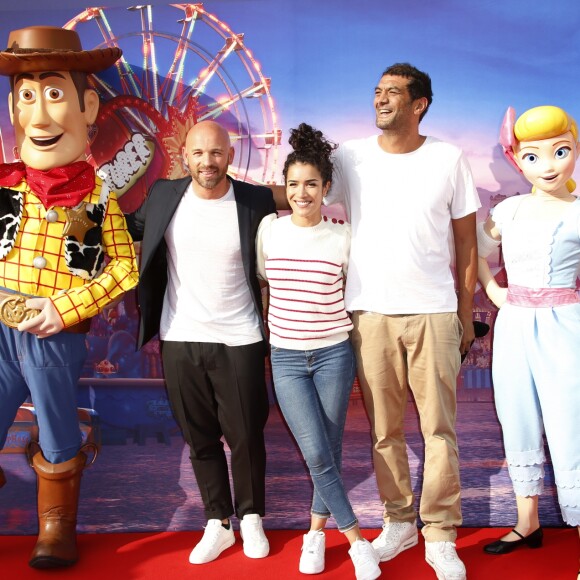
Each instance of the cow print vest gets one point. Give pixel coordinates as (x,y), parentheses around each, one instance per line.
(83,260)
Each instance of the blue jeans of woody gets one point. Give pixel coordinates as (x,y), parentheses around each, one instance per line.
(47,370)
(313,389)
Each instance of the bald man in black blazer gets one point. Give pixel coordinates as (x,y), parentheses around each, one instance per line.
(192,263)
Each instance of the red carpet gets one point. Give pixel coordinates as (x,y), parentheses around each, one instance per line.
(163,556)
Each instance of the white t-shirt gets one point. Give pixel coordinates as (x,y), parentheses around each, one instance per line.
(400,207)
(207,297)
(305,268)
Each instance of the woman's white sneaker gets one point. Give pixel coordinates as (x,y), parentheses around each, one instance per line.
(365,560)
(312,557)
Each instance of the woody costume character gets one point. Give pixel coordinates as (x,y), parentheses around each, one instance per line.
(58,223)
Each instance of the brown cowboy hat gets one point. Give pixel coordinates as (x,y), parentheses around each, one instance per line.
(50,48)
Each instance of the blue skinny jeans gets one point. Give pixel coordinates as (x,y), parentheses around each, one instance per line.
(313,389)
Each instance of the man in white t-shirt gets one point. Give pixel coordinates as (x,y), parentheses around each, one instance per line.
(198,289)
(411,201)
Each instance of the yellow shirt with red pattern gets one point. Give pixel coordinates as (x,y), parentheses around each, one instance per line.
(74,298)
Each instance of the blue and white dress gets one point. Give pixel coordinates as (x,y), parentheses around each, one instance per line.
(536,362)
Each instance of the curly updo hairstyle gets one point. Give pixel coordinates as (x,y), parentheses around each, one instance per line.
(310,147)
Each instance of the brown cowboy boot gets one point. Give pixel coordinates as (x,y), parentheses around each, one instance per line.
(58,499)
(2,478)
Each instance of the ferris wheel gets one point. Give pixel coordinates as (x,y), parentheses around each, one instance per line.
(180,65)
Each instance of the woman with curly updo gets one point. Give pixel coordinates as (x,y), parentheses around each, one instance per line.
(304,258)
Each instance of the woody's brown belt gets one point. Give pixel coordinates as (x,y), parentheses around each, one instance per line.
(13,311)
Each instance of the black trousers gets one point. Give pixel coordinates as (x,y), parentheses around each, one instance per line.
(217,390)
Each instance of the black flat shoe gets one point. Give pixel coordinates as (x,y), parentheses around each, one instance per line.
(533,540)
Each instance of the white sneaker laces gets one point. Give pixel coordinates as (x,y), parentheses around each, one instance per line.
(210,535)
(313,545)
(392,533)
(448,551)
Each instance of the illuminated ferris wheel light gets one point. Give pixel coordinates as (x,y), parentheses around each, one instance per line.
(227,83)
(92,13)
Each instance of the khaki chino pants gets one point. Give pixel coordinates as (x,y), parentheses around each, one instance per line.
(420,351)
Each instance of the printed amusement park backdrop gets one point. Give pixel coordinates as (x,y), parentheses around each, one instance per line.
(260,68)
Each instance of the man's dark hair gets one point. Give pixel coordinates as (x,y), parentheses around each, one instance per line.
(419,82)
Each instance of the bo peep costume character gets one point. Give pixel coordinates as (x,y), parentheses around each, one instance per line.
(535,352)
(537,332)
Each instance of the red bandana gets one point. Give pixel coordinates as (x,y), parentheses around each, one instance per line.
(63,186)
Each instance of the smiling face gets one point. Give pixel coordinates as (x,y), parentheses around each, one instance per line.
(305,190)
(207,154)
(394,107)
(548,163)
(51,129)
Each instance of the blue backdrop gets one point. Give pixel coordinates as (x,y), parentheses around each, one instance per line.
(261,68)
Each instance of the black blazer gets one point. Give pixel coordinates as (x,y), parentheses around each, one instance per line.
(148,225)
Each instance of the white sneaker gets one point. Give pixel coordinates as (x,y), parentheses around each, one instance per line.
(255,542)
(312,557)
(214,541)
(395,538)
(365,560)
(443,558)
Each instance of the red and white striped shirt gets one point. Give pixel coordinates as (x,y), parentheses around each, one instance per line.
(305,268)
